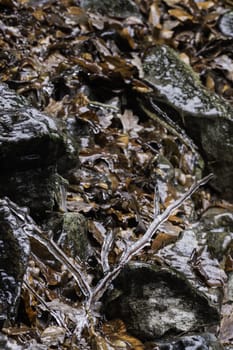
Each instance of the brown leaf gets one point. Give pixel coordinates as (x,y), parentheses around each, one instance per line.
(87,65)
(126,34)
(210,83)
(163,239)
(154,16)
(180,14)
(39,14)
(205,5)
(119,65)
(229,263)
(116,335)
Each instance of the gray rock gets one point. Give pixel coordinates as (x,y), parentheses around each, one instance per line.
(155,302)
(184,291)
(40,189)
(15,250)
(226,24)
(32,147)
(204,341)
(206,117)
(216,230)
(28,138)
(8,344)
(117,8)
(190,257)
(70,232)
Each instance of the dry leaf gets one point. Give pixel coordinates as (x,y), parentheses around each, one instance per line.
(181,15)
(130,123)
(154,16)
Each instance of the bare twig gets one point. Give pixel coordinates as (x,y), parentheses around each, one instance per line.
(157,201)
(55,315)
(106,247)
(103,105)
(75,269)
(134,249)
(163,119)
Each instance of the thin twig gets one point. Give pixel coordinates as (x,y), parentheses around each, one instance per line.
(55,315)
(163,119)
(53,248)
(134,249)
(103,105)
(106,247)
(157,201)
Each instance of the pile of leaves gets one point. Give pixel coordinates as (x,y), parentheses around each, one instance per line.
(83,67)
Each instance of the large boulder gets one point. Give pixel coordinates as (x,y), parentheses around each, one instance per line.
(181,288)
(156,302)
(206,117)
(32,147)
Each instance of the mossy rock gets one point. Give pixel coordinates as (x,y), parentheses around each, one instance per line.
(117,8)
(206,117)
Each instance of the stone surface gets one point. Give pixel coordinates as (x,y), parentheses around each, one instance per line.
(117,8)
(226,24)
(15,249)
(28,138)
(206,117)
(32,147)
(216,229)
(204,341)
(40,189)
(157,302)
(183,291)
(191,257)
(70,232)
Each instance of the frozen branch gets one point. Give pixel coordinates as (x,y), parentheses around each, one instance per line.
(74,269)
(106,247)
(136,247)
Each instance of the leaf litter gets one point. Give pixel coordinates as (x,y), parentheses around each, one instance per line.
(79,66)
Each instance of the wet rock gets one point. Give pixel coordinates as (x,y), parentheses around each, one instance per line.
(185,290)
(73,238)
(8,344)
(216,230)
(32,147)
(158,302)
(15,249)
(204,341)
(70,232)
(190,257)
(41,189)
(206,117)
(226,24)
(28,138)
(117,8)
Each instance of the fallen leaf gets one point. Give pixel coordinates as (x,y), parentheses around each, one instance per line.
(181,15)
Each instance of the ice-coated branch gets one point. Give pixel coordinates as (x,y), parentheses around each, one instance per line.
(52,247)
(136,247)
